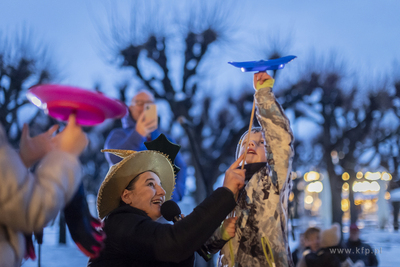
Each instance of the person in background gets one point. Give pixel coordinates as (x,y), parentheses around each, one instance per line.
(359,249)
(135,131)
(312,241)
(29,201)
(298,252)
(331,253)
(394,190)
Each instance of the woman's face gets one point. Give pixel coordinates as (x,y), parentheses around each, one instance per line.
(256,148)
(147,195)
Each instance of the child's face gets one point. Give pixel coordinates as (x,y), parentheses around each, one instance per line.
(256,150)
(313,241)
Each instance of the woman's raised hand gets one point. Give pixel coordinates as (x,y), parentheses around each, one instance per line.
(234,177)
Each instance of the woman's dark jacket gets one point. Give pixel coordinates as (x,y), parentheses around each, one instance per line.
(134,239)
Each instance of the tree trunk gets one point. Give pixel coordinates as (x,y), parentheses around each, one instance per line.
(353,208)
(337,212)
(336,189)
(62,238)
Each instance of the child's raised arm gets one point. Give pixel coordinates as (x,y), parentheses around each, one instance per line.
(276,128)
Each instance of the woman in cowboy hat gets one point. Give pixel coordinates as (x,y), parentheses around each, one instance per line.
(129,201)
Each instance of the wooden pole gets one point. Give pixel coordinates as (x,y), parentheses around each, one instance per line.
(232,214)
(248,133)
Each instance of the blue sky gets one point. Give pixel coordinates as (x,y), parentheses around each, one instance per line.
(365,32)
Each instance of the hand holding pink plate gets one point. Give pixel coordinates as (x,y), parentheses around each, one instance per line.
(91,108)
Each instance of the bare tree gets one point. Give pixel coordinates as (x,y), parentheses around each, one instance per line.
(346,120)
(344,116)
(24,62)
(154,44)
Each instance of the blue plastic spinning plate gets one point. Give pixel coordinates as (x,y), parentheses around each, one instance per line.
(263,65)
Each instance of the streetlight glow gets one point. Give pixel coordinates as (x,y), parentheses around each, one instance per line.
(315,187)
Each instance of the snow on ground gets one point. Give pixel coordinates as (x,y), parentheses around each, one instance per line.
(57,255)
(60,255)
(387,243)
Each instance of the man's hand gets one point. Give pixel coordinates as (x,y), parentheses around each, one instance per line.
(143,127)
(260,77)
(234,178)
(72,139)
(32,149)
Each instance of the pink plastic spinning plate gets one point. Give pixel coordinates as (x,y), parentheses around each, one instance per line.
(91,108)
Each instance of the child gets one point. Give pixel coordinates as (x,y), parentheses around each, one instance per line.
(28,201)
(261,229)
(324,249)
(312,239)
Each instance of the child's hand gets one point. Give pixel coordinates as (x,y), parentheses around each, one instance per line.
(72,139)
(262,79)
(228,228)
(33,149)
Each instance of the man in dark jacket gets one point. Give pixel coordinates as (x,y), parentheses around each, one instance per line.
(135,131)
(360,250)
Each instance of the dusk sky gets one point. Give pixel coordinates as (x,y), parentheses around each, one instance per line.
(365,32)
